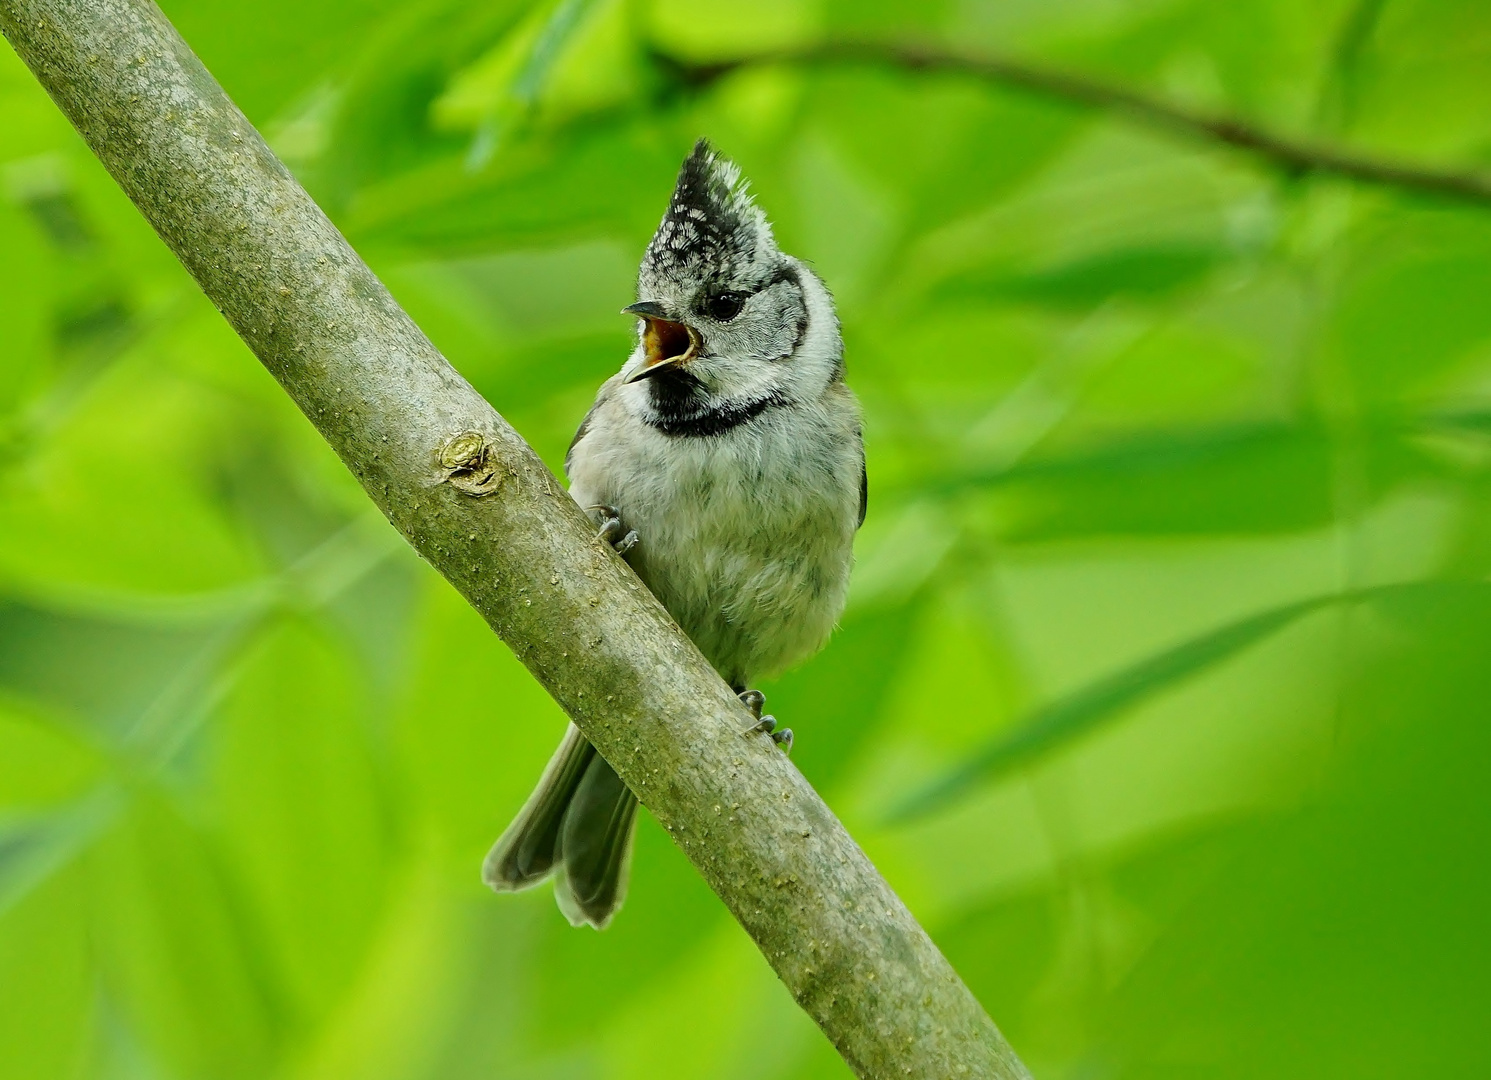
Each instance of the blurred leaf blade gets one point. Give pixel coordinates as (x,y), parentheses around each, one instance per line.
(1069,718)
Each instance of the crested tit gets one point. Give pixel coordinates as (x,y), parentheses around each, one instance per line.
(729,447)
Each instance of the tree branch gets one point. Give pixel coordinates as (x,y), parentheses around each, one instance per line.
(1294,155)
(488,515)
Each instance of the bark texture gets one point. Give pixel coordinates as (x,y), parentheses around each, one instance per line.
(475,501)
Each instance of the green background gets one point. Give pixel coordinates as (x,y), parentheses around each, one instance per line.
(1164,692)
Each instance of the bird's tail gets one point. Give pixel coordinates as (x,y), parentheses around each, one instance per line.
(577,825)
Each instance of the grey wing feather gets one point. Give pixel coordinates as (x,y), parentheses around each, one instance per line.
(600,399)
(525,853)
(577,825)
(595,847)
(864,486)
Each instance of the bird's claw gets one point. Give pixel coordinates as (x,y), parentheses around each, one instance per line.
(764,725)
(611,529)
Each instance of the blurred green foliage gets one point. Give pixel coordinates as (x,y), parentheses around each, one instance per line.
(1164,697)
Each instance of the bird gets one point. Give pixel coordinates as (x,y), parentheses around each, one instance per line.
(725,463)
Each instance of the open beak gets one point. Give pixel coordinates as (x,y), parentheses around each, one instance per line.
(666,344)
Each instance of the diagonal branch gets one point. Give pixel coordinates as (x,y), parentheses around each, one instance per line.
(1294,155)
(475,501)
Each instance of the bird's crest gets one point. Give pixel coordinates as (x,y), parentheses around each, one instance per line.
(711,219)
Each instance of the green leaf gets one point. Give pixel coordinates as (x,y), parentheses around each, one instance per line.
(1230,479)
(47,992)
(1059,723)
(300,806)
(181,963)
(1149,274)
(516,76)
(33,848)
(1354,916)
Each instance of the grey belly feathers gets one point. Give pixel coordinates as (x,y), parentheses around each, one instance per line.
(730,444)
(746,536)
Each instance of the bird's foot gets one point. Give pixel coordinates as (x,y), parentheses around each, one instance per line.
(766,725)
(612,530)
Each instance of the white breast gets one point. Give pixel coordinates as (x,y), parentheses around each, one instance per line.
(746,537)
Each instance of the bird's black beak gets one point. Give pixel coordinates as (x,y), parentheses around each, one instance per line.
(667,344)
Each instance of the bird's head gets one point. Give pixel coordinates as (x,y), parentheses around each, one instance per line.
(727,318)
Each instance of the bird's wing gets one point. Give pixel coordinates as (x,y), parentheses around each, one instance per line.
(864,488)
(600,399)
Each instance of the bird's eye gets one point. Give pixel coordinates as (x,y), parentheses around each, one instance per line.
(724,306)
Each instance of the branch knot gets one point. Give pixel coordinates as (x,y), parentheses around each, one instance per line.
(466,464)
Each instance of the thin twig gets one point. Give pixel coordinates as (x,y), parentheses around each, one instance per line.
(1294,155)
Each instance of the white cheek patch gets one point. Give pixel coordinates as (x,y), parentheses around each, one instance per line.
(777,331)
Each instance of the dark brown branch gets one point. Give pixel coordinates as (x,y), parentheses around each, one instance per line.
(1294,155)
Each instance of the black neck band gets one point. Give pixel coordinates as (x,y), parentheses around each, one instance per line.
(679,408)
